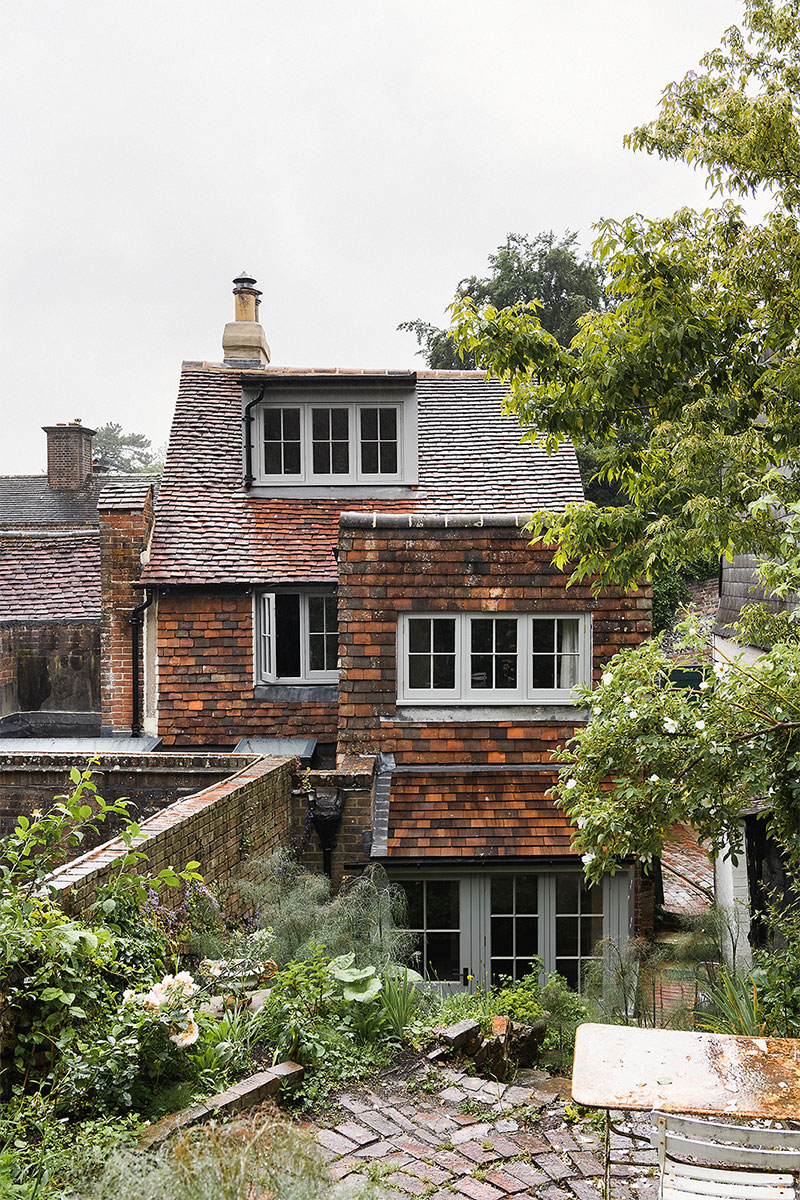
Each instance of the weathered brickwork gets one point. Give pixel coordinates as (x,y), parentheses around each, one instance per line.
(349,855)
(387,570)
(248,812)
(205,676)
(50,666)
(124,533)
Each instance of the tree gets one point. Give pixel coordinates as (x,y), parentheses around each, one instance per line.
(688,380)
(127,452)
(542,270)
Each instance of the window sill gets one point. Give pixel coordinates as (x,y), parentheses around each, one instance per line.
(448,713)
(298,693)
(265,490)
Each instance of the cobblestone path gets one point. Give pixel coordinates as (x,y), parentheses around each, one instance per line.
(444,1135)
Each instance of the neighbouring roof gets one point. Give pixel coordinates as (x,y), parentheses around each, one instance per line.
(27,501)
(50,576)
(210,530)
(740,587)
(484,814)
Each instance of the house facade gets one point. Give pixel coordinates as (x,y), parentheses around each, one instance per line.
(340,556)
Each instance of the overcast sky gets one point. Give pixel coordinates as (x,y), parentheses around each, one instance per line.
(359,157)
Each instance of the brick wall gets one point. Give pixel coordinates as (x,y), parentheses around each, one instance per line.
(69,455)
(150,781)
(348,857)
(205,676)
(248,812)
(50,667)
(464,565)
(124,533)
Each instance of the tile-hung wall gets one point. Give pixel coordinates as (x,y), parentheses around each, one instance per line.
(479,927)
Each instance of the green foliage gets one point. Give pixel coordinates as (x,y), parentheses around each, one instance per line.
(400,1000)
(730,1004)
(655,754)
(688,382)
(668,593)
(260,1157)
(367,917)
(129,453)
(521,1001)
(543,270)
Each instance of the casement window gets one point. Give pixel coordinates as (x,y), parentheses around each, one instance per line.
(352,442)
(494,658)
(478,929)
(297,637)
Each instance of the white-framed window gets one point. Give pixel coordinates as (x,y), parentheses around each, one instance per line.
(297,637)
(326,441)
(494,658)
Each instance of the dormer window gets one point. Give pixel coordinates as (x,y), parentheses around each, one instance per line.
(356,433)
(331,443)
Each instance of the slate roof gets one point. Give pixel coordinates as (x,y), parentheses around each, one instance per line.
(209,530)
(26,501)
(483,814)
(740,587)
(50,577)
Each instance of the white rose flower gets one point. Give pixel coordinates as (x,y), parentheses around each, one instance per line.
(188,1036)
(571,783)
(654,779)
(607,677)
(670,725)
(699,724)
(634,712)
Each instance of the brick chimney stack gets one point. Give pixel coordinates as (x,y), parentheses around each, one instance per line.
(69,455)
(244,343)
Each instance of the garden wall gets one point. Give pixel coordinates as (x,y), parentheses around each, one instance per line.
(50,666)
(249,812)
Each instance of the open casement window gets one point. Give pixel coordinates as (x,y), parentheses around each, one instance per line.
(480,929)
(495,658)
(297,637)
(354,442)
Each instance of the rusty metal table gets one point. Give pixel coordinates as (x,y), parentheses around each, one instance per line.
(705,1074)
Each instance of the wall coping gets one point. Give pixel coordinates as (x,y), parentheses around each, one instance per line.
(385,520)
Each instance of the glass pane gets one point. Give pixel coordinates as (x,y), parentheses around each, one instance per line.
(316,653)
(506,671)
(388,424)
(527,894)
(331,612)
(502,935)
(388,458)
(341,458)
(527,935)
(502,967)
(340,424)
(331,651)
(543,634)
(444,635)
(505,633)
(524,967)
(369,458)
(291,459)
(591,934)
(568,635)
(442,903)
(316,614)
(272,424)
(413,893)
(291,424)
(481,671)
(419,671)
(481,636)
(369,424)
(543,672)
(320,424)
(591,898)
(568,967)
(287,635)
(502,894)
(272,458)
(568,670)
(566,935)
(443,956)
(419,636)
(444,671)
(321,458)
(567,892)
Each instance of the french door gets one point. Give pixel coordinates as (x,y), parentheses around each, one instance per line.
(472,930)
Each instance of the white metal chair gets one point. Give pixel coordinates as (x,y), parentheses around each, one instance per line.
(706,1159)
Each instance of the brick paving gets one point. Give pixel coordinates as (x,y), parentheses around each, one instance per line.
(442,1135)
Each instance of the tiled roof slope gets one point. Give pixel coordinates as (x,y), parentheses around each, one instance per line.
(209,530)
(27,501)
(740,586)
(475,815)
(52,577)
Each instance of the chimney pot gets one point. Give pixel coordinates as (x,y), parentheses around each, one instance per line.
(243,340)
